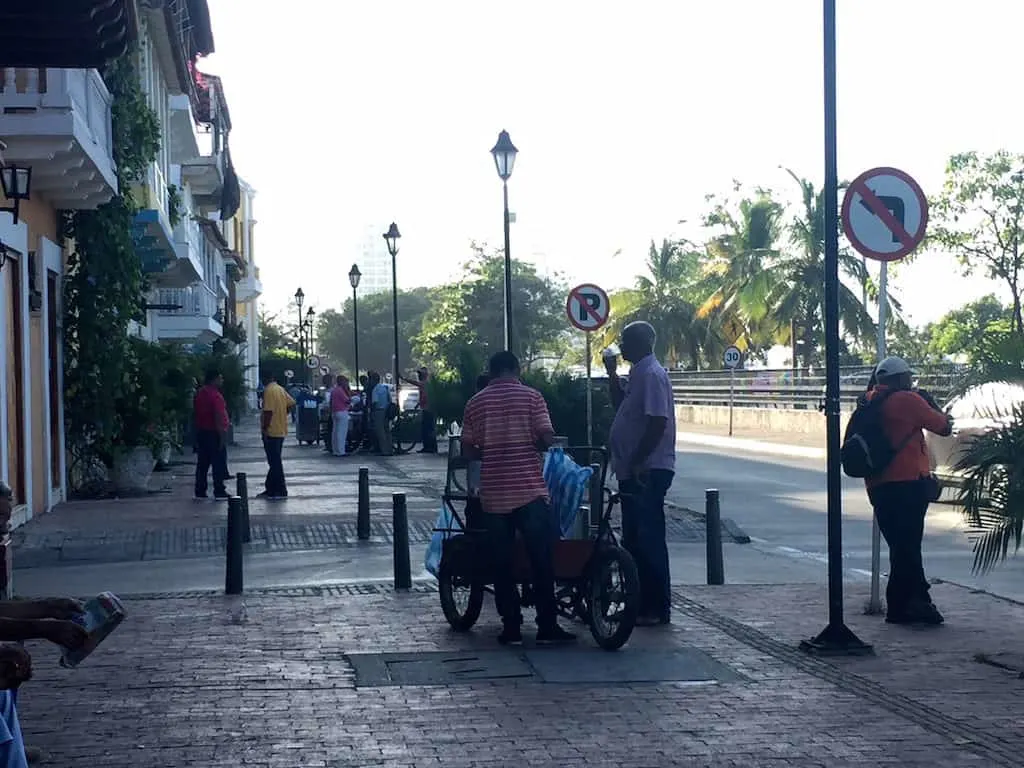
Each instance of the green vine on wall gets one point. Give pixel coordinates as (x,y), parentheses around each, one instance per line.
(104,285)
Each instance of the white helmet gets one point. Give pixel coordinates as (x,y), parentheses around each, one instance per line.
(892,366)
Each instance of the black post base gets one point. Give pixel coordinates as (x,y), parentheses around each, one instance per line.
(836,640)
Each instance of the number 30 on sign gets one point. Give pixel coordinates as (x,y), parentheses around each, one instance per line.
(732,357)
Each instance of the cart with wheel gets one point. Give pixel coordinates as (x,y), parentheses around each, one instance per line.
(596,579)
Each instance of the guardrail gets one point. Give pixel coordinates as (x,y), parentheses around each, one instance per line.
(800,390)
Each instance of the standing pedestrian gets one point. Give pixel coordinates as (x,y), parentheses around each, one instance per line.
(211,436)
(901,492)
(643,456)
(341,401)
(506,426)
(274,423)
(380,403)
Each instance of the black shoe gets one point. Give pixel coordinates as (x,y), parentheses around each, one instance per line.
(201,497)
(511,636)
(916,613)
(222,496)
(229,477)
(554,636)
(653,620)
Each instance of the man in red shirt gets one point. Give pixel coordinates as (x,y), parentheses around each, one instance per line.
(506,426)
(211,415)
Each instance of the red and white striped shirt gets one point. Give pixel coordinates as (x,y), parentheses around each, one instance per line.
(504,421)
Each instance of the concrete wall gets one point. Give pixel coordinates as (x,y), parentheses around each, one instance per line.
(775,420)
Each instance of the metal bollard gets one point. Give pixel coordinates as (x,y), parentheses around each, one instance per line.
(242,491)
(713,524)
(400,524)
(363,510)
(233,580)
(596,497)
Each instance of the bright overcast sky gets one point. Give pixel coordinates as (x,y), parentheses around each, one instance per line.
(625,114)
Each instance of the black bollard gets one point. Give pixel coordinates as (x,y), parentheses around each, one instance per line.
(233,571)
(713,524)
(400,524)
(363,510)
(242,492)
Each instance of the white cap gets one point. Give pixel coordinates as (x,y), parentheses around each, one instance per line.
(892,366)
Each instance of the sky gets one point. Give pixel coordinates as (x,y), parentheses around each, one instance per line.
(347,115)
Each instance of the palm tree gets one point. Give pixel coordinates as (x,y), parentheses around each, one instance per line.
(734,260)
(664,298)
(791,286)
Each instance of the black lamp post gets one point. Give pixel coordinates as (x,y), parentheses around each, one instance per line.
(504,153)
(299,298)
(16,183)
(353,278)
(310,318)
(391,237)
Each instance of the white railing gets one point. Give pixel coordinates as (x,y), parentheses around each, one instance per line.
(58,90)
(158,189)
(196,301)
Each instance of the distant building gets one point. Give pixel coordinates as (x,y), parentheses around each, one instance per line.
(374,262)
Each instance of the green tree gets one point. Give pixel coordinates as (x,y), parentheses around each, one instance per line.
(336,334)
(666,297)
(274,336)
(959,332)
(469,315)
(977,218)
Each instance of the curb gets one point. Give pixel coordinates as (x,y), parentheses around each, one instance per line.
(729,526)
(749,446)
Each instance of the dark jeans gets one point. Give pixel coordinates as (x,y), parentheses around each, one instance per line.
(643,534)
(275,484)
(210,453)
(900,510)
(429,432)
(534,522)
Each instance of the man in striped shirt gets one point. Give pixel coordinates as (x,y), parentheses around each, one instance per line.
(507,426)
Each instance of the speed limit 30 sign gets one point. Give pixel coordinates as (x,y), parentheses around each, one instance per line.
(732,357)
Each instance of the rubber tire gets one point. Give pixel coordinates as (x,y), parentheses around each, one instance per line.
(460,622)
(602,559)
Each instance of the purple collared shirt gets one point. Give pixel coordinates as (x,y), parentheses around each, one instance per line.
(648,392)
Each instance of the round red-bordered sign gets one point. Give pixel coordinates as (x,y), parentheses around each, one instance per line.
(885,214)
(587,307)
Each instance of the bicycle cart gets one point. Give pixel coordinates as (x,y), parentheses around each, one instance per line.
(596,579)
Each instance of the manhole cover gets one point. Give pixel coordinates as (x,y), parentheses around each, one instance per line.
(437,668)
(561,666)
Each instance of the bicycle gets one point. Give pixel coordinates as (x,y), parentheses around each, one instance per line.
(406,430)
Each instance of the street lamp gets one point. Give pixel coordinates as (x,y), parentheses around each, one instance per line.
(504,153)
(16,183)
(353,278)
(299,297)
(310,316)
(391,238)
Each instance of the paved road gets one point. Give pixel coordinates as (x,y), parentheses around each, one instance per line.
(781,503)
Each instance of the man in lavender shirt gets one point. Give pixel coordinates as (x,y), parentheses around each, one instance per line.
(643,455)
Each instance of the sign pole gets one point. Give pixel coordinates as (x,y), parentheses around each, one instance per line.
(875,604)
(590,396)
(836,639)
(732,395)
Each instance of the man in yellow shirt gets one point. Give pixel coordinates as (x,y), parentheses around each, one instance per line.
(276,402)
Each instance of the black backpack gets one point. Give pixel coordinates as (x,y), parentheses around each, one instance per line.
(866,450)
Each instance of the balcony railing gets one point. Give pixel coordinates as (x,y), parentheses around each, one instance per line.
(60,90)
(196,301)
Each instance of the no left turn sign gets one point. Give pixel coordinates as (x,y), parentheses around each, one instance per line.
(587,307)
(885,214)
(313,362)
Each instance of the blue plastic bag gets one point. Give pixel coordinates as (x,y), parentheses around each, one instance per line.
(567,482)
(445,521)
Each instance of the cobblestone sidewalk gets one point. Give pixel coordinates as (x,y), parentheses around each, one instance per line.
(286,678)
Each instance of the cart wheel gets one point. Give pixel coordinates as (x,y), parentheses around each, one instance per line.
(461,599)
(613,597)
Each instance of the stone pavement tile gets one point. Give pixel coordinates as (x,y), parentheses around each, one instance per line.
(933,669)
(263,681)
